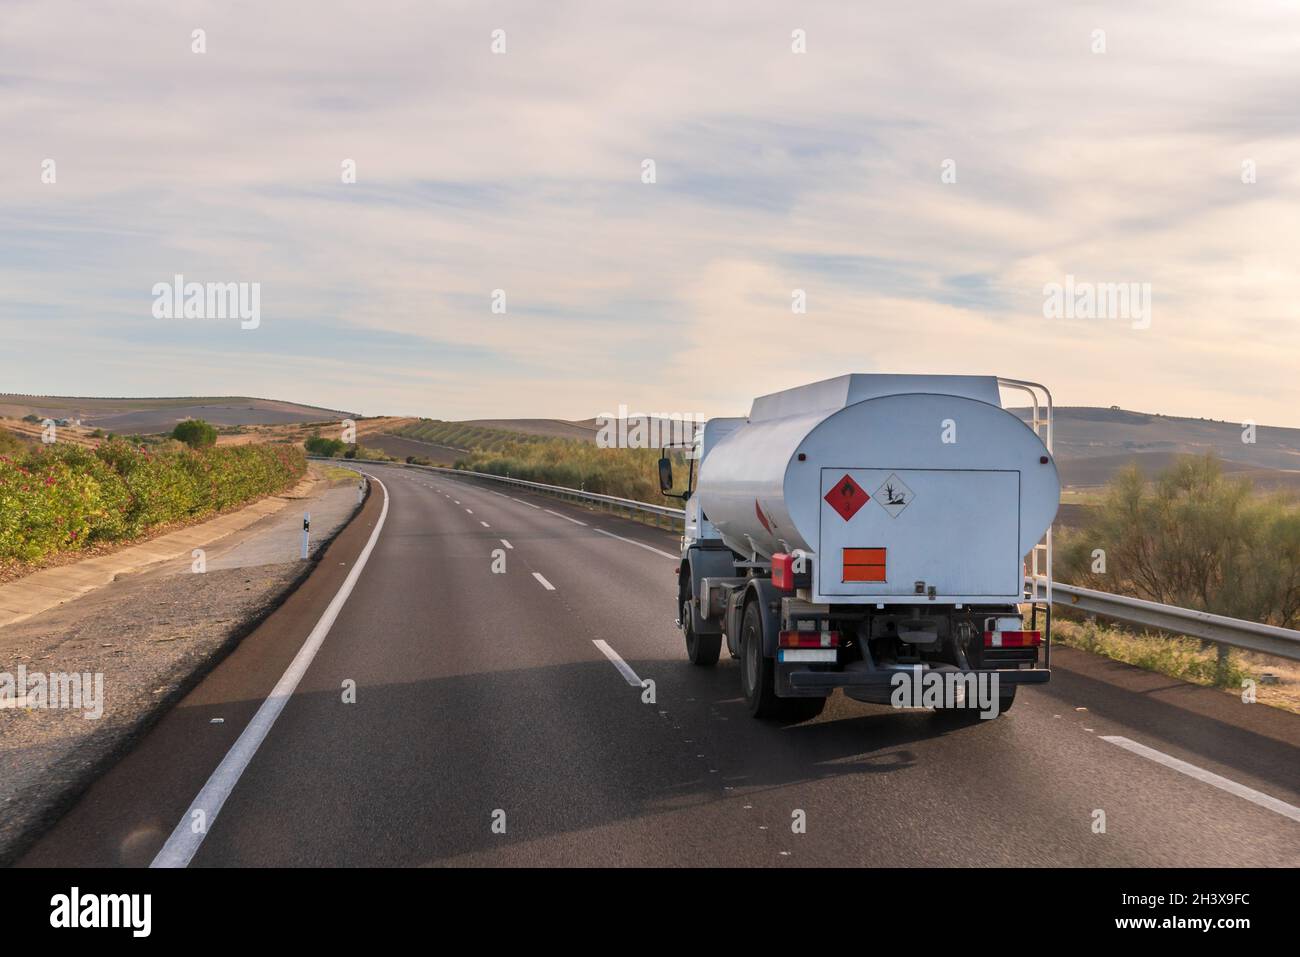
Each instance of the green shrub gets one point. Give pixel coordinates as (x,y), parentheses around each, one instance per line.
(195,433)
(316,445)
(626,473)
(1193,538)
(359,451)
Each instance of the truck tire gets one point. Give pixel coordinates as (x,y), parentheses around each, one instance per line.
(702,650)
(1006,698)
(758,677)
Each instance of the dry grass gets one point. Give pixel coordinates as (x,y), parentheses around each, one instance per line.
(33,431)
(1187,659)
(336,475)
(299,432)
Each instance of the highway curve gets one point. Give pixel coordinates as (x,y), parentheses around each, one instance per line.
(480,693)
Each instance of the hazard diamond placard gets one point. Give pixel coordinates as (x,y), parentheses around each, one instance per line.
(846,497)
(893,496)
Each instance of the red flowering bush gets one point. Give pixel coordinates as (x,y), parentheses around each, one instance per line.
(62,497)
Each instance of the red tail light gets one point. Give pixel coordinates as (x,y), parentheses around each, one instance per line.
(809,639)
(1012,639)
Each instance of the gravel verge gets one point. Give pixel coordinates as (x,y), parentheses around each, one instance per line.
(152,639)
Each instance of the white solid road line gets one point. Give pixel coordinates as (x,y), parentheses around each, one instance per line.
(545,584)
(506,544)
(184,841)
(632,541)
(1208,777)
(522,502)
(623,667)
(565,517)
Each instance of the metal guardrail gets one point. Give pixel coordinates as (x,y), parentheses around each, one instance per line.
(1250,635)
(630,505)
(1234,632)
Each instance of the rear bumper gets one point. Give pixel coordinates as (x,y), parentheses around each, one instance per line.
(808,680)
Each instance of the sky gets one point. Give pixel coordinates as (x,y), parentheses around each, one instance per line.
(923,172)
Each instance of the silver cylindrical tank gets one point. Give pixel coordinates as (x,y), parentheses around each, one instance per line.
(943,481)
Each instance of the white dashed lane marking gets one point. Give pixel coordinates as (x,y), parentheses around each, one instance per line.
(630,541)
(565,517)
(623,667)
(1208,777)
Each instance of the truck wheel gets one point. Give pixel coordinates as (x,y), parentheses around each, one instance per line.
(1006,698)
(702,650)
(758,677)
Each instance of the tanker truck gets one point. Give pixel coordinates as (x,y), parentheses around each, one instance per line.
(870,530)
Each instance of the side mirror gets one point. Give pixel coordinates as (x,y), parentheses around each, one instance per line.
(665,475)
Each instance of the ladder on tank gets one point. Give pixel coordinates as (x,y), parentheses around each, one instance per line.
(1038,577)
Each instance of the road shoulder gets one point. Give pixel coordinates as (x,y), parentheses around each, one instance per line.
(153,637)
(48,588)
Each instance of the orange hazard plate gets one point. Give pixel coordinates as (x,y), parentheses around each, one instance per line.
(864,565)
(864,573)
(864,556)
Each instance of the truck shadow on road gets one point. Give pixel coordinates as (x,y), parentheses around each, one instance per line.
(413,772)
(582,767)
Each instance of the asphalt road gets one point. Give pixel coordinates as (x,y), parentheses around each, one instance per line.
(483,699)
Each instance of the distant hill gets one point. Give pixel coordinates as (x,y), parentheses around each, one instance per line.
(400,447)
(145,416)
(1092,444)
